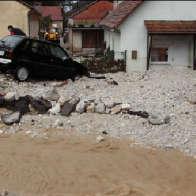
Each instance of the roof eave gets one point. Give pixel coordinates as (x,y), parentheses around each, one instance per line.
(112,29)
(25,4)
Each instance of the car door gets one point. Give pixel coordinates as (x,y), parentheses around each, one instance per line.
(23,54)
(40,58)
(61,62)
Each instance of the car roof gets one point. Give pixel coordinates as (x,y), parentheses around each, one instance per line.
(33,39)
(42,41)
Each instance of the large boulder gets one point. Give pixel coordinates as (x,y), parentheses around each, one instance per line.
(40,105)
(22,105)
(158,119)
(81,107)
(116,110)
(100,108)
(68,107)
(11,118)
(55,109)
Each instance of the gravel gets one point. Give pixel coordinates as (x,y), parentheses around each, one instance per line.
(162,90)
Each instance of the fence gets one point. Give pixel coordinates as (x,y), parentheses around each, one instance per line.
(120,55)
(112,61)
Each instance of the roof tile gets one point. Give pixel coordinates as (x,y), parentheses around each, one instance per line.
(95,12)
(170,26)
(54,11)
(117,16)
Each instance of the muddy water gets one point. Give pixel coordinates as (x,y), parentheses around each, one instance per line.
(75,166)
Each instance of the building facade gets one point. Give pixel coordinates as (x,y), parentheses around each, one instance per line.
(153,32)
(19,15)
(86,36)
(55,13)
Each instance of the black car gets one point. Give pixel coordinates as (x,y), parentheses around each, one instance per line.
(25,57)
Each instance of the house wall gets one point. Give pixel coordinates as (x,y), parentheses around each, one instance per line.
(13,13)
(134,32)
(34,25)
(58,24)
(75,40)
(180,48)
(112,40)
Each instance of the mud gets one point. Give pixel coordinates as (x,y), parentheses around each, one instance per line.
(78,166)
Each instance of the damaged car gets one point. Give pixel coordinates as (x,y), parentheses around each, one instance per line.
(25,57)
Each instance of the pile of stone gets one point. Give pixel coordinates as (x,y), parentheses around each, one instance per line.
(20,106)
(52,103)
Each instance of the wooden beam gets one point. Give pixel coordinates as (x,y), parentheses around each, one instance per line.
(149,45)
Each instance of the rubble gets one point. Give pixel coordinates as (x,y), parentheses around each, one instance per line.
(55,109)
(67,108)
(111,81)
(100,108)
(158,119)
(21,105)
(110,104)
(39,105)
(139,113)
(116,109)
(11,118)
(90,108)
(52,95)
(58,123)
(192,98)
(81,107)
(126,106)
(152,108)
(10,96)
(100,139)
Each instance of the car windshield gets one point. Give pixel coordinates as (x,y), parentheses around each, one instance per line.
(11,41)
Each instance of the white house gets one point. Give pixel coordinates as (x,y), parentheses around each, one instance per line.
(153,32)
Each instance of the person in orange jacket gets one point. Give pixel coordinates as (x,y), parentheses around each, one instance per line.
(52,36)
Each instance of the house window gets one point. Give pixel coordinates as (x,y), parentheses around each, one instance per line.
(92,39)
(159,55)
(134,54)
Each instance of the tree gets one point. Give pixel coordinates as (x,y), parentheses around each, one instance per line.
(45,22)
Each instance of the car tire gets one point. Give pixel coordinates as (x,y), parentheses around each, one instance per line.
(22,74)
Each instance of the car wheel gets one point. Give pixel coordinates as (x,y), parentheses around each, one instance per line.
(22,74)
